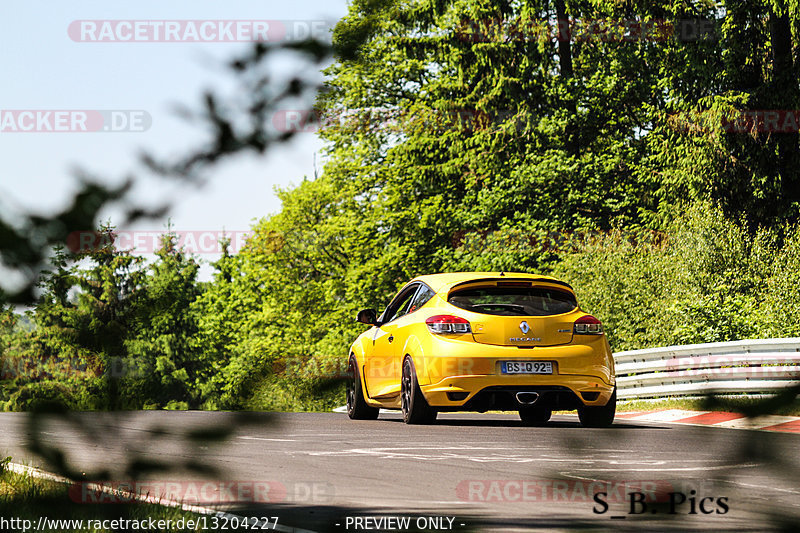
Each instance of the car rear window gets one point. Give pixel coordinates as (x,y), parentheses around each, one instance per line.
(514,301)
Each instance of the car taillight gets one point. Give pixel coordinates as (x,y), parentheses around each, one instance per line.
(443,324)
(588,325)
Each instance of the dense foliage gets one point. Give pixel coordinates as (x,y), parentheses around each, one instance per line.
(113,334)
(647,152)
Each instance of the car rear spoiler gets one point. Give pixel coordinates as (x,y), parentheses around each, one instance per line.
(533,280)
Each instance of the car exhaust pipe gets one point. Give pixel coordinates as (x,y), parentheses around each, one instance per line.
(527,398)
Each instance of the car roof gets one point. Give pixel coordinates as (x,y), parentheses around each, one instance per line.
(441,282)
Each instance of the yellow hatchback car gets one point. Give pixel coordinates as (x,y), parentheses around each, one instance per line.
(480,341)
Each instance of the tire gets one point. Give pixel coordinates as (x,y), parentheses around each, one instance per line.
(413,404)
(357,408)
(599,417)
(535,416)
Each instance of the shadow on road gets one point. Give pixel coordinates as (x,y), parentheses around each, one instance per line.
(512,423)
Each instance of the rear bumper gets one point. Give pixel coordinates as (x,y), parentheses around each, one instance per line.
(467,376)
(484,393)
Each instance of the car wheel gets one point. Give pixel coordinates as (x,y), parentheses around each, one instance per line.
(357,408)
(535,416)
(413,404)
(599,416)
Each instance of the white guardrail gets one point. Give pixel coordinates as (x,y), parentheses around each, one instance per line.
(738,367)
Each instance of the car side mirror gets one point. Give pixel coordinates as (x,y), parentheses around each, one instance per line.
(367,316)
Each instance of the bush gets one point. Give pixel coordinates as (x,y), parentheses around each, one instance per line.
(43,395)
(708,279)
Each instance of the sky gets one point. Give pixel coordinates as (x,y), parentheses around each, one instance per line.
(49,65)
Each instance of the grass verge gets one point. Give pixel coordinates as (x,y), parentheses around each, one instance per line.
(24,499)
(733,403)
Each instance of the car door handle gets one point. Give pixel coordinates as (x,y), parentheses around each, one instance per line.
(391,338)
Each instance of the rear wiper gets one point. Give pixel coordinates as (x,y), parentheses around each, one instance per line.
(501,306)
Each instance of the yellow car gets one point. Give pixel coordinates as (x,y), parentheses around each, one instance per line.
(480,341)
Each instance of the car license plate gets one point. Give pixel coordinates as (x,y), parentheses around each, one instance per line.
(527,367)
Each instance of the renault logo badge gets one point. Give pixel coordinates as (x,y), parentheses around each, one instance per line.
(524,327)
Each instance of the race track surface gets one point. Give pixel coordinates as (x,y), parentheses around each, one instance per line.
(468,472)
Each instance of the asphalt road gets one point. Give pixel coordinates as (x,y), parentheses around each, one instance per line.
(478,472)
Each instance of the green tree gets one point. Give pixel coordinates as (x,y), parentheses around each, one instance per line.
(163,365)
(83,317)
